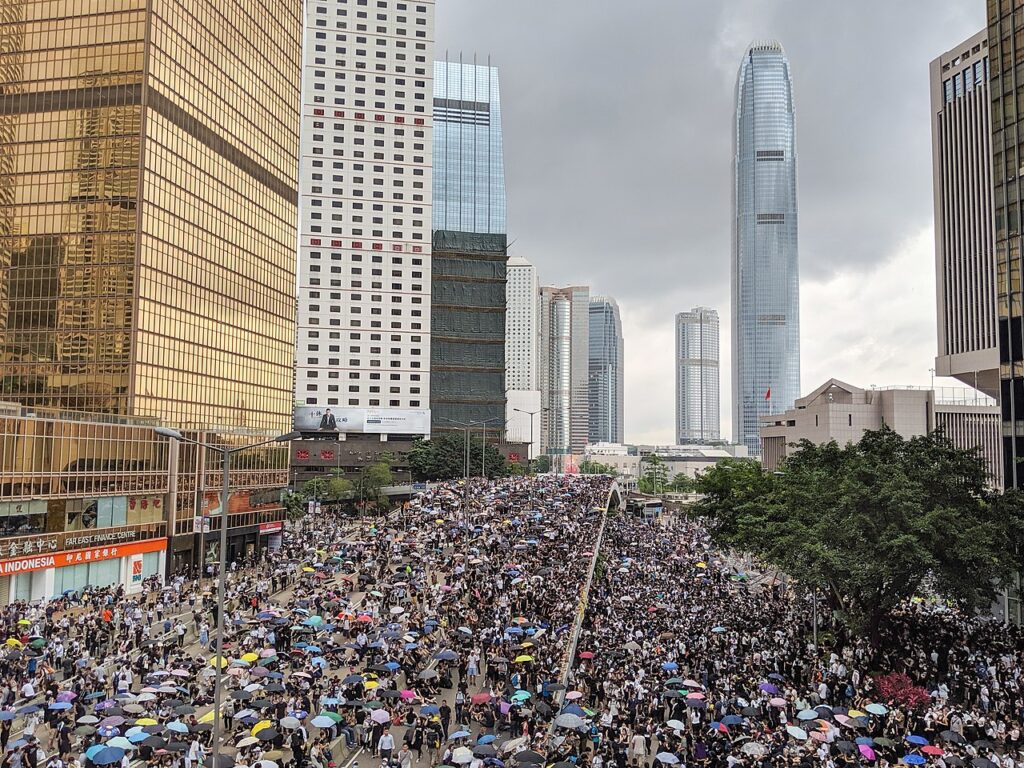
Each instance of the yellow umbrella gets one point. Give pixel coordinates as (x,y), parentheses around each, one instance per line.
(146,721)
(223,661)
(24,622)
(307,569)
(370,685)
(260,726)
(522,658)
(702,565)
(250,657)
(439,521)
(527,644)
(856,713)
(14,642)
(207,718)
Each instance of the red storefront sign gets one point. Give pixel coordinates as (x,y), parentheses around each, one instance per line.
(266,528)
(78,556)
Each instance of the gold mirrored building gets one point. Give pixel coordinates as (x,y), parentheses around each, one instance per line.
(148,191)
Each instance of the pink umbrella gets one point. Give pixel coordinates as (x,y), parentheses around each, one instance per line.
(867,751)
(695,695)
(573,695)
(777,702)
(407,694)
(266,653)
(818,736)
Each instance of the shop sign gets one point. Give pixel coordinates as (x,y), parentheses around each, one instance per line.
(79,556)
(28,545)
(266,528)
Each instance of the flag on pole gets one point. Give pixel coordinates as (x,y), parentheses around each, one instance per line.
(768,394)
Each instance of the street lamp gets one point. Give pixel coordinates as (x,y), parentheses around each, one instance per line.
(226,453)
(531,414)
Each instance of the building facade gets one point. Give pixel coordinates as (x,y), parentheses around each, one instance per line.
(842,412)
(697,371)
(564,371)
(765,265)
(470,250)
(965,271)
(522,331)
(606,369)
(129,176)
(363,343)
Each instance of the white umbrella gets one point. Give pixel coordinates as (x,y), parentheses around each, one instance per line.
(462,755)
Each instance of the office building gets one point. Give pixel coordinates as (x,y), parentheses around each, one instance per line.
(564,371)
(363,344)
(842,412)
(765,267)
(147,250)
(1006,77)
(470,250)
(522,330)
(606,365)
(697,393)
(965,271)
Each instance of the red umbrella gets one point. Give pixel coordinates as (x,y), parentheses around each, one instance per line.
(587,655)
(481,698)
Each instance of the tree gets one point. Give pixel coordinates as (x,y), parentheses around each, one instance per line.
(682,483)
(871,523)
(590,467)
(443,457)
(655,475)
(542,464)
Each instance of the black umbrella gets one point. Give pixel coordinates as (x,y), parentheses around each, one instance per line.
(954,760)
(389,694)
(543,708)
(982,762)
(219,761)
(202,728)
(153,742)
(185,709)
(529,756)
(846,747)
(240,695)
(267,734)
(259,703)
(750,712)
(484,750)
(952,737)
(176,746)
(984,744)
(274,688)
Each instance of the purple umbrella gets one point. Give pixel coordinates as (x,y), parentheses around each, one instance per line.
(769,688)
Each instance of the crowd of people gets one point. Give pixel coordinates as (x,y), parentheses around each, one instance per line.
(460,630)
(687,662)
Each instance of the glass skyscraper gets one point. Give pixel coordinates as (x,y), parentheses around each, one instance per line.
(469,249)
(765,268)
(469,168)
(606,371)
(697,414)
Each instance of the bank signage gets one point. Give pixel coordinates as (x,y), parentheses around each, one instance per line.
(14,566)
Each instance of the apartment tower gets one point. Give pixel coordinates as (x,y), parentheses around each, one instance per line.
(363,348)
(522,332)
(564,366)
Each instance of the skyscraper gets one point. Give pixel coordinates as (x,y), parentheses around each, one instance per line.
(365,217)
(564,369)
(469,250)
(697,392)
(522,329)
(1006,63)
(765,268)
(965,270)
(605,385)
(147,251)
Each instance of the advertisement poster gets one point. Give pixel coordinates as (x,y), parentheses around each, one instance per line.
(375,421)
(135,573)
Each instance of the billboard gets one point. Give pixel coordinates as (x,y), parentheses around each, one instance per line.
(374,421)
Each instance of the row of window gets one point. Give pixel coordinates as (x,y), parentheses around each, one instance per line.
(963,82)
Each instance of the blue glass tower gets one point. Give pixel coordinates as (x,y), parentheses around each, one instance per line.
(765,267)
(469,170)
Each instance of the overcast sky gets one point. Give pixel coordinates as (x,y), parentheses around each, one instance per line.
(617,127)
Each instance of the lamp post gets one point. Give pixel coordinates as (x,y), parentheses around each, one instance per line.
(226,454)
(531,414)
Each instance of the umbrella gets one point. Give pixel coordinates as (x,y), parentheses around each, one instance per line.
(797,733)
(917,740)
(484,750)
(569,721)
(807,714)
(877,709)
(529,756)
(458,735)
(267,734)
(676,725)
(667,758)
(381,716)
(462,755)
(978,762)
(322,721)
(107,756)
(952,737)
(219,761)
(913,759)
(289,722)
(867,751)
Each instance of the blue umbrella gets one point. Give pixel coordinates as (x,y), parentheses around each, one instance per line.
(177,727)
(6,715)
(918,740)
(913,759)
(867,741)
(319,661)
(322,721)
(135,738)
(392,665)
(430,709)
(732,720)
(59,705)
(458,735)
(486,739)
(93,750)
(670,666)
(108,756)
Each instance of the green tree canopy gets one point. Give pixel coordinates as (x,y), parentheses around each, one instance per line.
(873,522)
(443,457)
(655,475)
(590,467)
